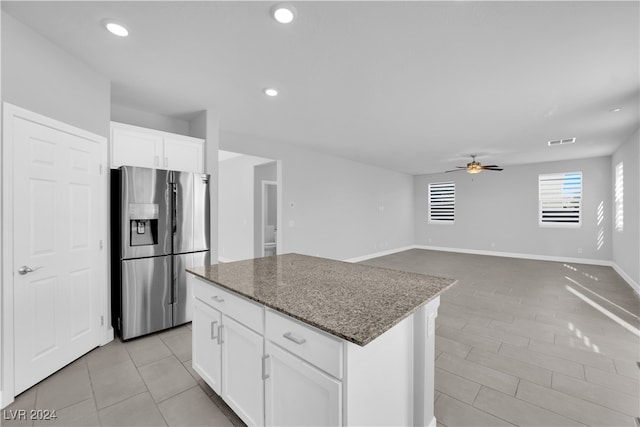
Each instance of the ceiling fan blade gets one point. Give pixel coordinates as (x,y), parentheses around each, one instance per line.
(490,166)
(456,170)
(486,168)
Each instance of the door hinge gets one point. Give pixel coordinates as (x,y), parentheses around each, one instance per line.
(119,326)
(100,168)
(100,244)
(101,320)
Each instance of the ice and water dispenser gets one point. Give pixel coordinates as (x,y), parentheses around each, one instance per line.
(143,224)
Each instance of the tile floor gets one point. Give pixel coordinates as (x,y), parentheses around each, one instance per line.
(518,342)
(521,342)
(144,382)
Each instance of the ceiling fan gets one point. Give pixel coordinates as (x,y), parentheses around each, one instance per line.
(475,167)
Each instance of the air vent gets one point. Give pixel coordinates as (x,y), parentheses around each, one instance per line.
(561,141)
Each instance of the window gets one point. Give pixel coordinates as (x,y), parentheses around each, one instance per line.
(560,199)
(619,197)
(442,202)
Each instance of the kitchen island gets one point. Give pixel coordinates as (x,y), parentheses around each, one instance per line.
(300,340)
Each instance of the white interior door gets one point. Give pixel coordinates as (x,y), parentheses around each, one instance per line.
(56,233)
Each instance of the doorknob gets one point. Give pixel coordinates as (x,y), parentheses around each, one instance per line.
(26,269)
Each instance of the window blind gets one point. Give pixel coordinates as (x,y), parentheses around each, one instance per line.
(560,199)
(619,197)
(442,202)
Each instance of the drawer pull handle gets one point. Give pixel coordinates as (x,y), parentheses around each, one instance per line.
(293,338)
(213,328)
(220,329)
(216,298)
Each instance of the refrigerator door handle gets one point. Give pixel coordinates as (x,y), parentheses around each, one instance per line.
(174,204)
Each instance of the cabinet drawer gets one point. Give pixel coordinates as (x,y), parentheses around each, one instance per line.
(241,309)
(306,342)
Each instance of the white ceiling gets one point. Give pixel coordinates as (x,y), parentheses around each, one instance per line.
(410,86)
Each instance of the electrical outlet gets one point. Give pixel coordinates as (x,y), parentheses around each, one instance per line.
(292,223)
(579,250)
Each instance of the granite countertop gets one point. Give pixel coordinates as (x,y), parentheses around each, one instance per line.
(352,301)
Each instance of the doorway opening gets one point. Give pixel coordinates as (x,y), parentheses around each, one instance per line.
(269,217)
(248,193)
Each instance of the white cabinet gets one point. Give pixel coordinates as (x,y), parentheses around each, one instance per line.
(228,354)
(206,359)
(274,370)
(184,154)
(242,388)
(137,146)
(299,394)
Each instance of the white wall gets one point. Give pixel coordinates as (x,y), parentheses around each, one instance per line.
(337,203)
(498,211)
(41,77)
(236,208)
(626,243)
(206,125)
(135,117)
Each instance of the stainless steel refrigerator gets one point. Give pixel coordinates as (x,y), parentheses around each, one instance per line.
(159,227)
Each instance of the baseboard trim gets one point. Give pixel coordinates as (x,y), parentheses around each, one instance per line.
(626,277)
(536,257)
(379,254)
(433,422)
(223,259)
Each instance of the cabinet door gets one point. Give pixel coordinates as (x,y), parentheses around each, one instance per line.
(133,147)
(242,385)
(183,154)
(206,358)
(297,393)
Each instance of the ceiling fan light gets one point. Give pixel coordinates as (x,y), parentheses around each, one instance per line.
(474,169)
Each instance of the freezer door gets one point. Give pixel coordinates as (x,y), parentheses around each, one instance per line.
(145,212)
(182,306)
(146,296)
(191,207)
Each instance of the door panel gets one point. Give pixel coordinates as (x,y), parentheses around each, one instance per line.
(146,296)
(183,200)
(145,196)
(242,385)
(80,202)
(56,185)
(206,345)
(80,292)
(135,148)
(183,155)
(298,394)
(201,212)
(183,295)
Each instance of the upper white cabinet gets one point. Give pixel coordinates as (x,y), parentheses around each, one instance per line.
(138,146)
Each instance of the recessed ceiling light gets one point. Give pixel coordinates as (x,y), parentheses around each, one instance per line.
(615,110)
(270,91)
(116,28)
(283,13)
